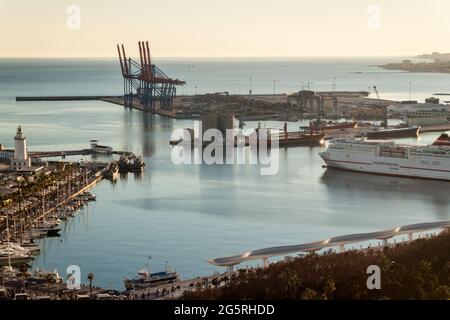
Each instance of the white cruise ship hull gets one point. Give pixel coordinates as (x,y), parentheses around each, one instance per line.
(413,166)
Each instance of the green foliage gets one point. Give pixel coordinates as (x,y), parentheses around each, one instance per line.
(41,181)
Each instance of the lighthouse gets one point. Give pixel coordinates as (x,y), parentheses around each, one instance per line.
(20,159)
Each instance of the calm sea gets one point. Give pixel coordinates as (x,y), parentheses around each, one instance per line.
(185,214)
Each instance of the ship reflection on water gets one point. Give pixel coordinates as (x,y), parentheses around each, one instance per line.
(384,187)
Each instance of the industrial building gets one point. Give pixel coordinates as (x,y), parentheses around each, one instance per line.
(430,113)
(219,121)
(427,118)
(405,108)
(5,154)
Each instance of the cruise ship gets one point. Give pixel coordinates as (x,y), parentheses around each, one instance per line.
(385,157)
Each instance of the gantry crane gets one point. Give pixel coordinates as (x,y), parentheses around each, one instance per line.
(146,81)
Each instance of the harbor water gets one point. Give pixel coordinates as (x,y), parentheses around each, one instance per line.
(185,214)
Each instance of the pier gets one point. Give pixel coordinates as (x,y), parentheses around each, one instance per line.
(30,197)
(177,289)
(64,98)
(341,241)
(440,128)
(80,152)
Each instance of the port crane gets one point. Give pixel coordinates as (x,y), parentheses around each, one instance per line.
(385,110)
(147,82)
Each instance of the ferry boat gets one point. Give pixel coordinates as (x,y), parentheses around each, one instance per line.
(97,148)
(385,157)
(147,279)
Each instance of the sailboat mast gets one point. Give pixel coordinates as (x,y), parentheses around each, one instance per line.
(7,239)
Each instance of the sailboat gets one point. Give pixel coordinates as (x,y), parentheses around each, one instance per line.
(12,253)
(50,227)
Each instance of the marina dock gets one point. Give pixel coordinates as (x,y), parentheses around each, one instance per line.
(76,181)
(36,195)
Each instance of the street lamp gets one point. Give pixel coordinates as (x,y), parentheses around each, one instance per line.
(410,91)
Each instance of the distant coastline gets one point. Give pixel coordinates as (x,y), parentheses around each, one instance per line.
(440,64)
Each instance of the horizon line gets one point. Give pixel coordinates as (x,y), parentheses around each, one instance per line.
(217,57)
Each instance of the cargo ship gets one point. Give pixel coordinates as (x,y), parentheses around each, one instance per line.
(264,136)
(393,133)
(332,125)
(296,139)
(388,158)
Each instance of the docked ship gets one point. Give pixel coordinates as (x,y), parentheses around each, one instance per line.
(306,136)
(393,133)
(113,170)
(124,163)
(97,148)
(137,165)
(332,125)
(385,157)
(146,279)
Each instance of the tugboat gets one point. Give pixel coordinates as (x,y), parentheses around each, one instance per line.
(90,196)
(137,165)
(124,163)
(146,279)
(131,163)
(113,171)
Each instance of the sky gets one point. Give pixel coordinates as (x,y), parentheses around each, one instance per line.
(224,28)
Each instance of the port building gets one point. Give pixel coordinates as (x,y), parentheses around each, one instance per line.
(427,118)
(5,154)
(430,113)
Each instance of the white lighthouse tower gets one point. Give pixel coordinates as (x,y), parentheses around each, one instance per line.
(20,159)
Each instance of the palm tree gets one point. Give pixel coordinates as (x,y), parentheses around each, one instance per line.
(49,280)
(90,277)
(23,272)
